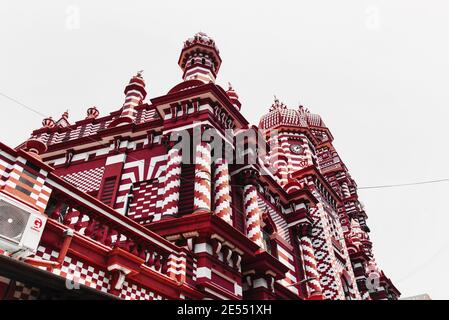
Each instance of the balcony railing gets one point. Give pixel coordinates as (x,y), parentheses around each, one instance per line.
(106,231)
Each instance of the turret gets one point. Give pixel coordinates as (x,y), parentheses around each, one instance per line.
(233,97)
(135,93)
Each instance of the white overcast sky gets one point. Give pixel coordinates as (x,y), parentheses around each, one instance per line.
(376,71)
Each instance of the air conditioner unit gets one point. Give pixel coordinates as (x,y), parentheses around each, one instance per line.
(21,227)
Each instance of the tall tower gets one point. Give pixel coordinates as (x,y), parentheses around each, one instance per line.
(135,93)
(200,59)
(288,131)
(175,198)
(296,134)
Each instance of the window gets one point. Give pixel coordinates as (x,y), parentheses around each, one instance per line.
(33,166)
(23,190)
(108,191)
(129,199)
(345,285)
(268,229)
(267,242)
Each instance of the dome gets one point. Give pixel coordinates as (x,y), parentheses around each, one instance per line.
(92,113)
(186,85)
(280,115)
(48,123)
(35,146)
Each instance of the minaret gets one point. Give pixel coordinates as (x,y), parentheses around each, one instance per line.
(64,121)
(233,97)
(134,94)
(200,59)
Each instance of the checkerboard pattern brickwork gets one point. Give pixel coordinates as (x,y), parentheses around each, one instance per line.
(5,166)
(24,181)
(144,201)
(135,172)
(76,270)
(82,273)
(46,253)
(131,291)
(24,292)
(87,180)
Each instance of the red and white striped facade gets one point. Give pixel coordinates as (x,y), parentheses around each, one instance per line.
(222,191)
(135,216)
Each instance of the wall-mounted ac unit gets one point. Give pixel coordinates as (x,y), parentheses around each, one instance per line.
(21,227)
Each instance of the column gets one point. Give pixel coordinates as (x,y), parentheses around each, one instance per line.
(222,191)
(253,214)
(308,256)
(172,184)
(202,184)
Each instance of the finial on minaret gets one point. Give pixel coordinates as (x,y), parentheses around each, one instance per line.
(233,97)
(277,105)
(302,109)
(139,73)
(64,120)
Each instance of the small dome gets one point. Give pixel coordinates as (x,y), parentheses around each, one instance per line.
(186,85)
(92,113)
(35,146)
(48,123)
(280,115)
(233,96)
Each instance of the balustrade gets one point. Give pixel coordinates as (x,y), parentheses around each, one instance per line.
(104,230)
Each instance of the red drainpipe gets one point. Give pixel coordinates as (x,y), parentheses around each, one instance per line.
(50,265)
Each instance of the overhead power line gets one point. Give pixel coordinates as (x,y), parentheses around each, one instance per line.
(404,184)
(21,104)
(359,188)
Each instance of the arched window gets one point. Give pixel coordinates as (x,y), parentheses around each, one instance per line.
(129,199)
(345,284)
(268,230)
